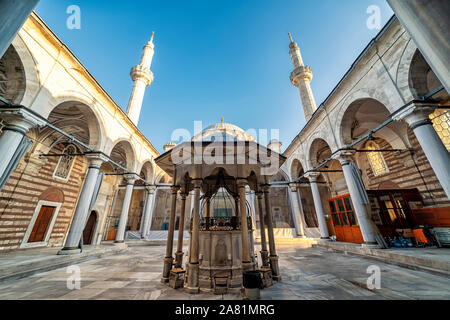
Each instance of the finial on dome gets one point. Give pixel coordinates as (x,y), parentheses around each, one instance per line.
(290,37)
(221,120)
(153,34)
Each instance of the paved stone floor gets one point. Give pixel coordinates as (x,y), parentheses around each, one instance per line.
(308,273)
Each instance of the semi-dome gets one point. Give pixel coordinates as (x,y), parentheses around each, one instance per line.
(223,132)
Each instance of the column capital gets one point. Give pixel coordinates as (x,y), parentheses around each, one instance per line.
(293,186)
(96,159)
(259,194)
(174,189)
(265,188)
(20,118)
(312,176)
(197,183)
(131,178)
(150,188)
(183,195)
(241,182)
(416,114)
(345,157)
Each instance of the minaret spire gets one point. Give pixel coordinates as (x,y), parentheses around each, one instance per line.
(290,37)
(142,78)
(301,77)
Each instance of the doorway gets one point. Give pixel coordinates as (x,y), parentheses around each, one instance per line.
(88,232)
(41,225)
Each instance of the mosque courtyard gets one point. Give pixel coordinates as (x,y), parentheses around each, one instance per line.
(307,274)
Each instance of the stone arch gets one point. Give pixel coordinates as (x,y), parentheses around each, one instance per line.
(12,76)
(162,178)
(52,194)
(422,79)
(316,148)
(18,69)
(362,94)
(296,168)
(365,114)
(403,70)
(147,171)
(280,176)
(75,118)
(124,154)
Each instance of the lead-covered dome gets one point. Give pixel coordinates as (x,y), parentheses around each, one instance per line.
(223,132)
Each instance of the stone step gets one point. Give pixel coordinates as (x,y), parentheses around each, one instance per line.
(303,242)
(431,260)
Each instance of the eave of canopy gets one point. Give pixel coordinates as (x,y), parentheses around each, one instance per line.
(188,150)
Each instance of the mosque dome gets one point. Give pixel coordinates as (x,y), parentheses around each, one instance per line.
(224,132)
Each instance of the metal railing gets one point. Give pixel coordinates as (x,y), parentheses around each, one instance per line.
(222,224)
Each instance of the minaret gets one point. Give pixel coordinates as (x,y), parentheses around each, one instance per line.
(301,78)
(142,78)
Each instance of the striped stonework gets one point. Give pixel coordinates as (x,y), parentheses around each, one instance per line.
(408,172)
(25,188)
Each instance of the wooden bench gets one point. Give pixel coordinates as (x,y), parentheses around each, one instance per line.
(176,278)
(221,283)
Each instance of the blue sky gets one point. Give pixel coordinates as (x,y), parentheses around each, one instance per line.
(216,58)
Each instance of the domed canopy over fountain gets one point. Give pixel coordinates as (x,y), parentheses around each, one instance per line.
(221,164)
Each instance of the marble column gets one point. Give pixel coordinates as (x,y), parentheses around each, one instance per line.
(302,210)
(250,198)
(264,252)
(208,207)
(168,260)
(193,266)
(428,24)
(120,237)
(417,117)
(82,210)
(358,196)
(17,122)
(179,253)
(273,252)
(148,210)
(246,258)
(13,15)
(207,211)
(297,211)
(312,176)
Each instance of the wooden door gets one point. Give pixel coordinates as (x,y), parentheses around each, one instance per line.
(344,220)
(88,231)
(41,224)
(111,235)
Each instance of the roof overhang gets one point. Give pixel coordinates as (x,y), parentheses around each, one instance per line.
(207,153)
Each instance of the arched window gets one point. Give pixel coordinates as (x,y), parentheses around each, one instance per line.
(376,159)
(65,163)
(441,123)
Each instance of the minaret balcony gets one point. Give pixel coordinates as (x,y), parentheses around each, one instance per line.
(141,73)
(302,73)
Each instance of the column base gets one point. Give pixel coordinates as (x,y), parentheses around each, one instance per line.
(265,258)
(275,268)
(247,266)
(371,245)
(120,244)
(194,290)
(68,251)
(168,263)
(193,278)
(178,259)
